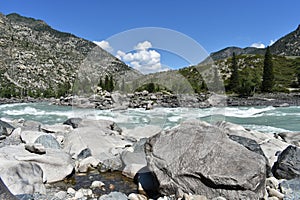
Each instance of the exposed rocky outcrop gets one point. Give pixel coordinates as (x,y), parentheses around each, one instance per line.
(37,59)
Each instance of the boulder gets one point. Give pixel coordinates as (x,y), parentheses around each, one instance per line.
(290,137)
(102,142)
(291,189)
(142,131)
(251,145)
(114,196)
(31,136)
(287,165)
(29,125)
(86,164)
(5,193)
(35,148)
(199,158)
(74,122)
(55,163)
(267,142)
(21,177)
(48,141)
(56,128)
(108,126)
(5,128)
(134,160)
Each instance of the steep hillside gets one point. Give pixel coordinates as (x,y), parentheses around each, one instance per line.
(38,60)
(288,45)
(227,52)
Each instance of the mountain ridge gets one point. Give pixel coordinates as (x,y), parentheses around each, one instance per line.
(37,59)
(287,45)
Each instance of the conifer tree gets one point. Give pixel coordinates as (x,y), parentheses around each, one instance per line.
(268,74)
(106,83)
(234,78)
(110,84)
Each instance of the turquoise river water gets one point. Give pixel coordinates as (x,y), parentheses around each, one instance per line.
(265,119)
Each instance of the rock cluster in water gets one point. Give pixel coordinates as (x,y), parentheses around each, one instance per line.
(194,160)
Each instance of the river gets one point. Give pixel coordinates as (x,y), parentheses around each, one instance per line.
(264,119)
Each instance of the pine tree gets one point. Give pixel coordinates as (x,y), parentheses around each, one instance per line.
(111,84)
(106,83)
(100,84)
(268,74)
(234,78)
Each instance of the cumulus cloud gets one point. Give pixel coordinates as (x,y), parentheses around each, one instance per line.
(104,45)
(143,46)
(258,45)
(143,58)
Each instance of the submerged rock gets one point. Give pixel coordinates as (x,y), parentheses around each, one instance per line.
(199,158)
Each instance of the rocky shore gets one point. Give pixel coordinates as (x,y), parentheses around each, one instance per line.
(194,160)
(115,100)
(148,100)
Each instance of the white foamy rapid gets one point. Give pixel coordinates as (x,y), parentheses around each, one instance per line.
(265,119)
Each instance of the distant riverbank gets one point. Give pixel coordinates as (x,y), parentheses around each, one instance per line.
(147,100)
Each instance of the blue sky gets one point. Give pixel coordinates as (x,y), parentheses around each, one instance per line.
(214,24)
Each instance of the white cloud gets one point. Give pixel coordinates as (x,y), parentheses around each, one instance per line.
(104,45)
(143,46)
(143,58)
(258,45)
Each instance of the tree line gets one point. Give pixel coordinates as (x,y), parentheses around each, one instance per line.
(247,85)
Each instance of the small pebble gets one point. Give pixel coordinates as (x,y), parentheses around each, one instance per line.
(71,191)
(111,187)
(97,184)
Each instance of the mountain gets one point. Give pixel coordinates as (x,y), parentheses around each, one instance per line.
(35,58)
(288,45)
(286,64)
(227,52)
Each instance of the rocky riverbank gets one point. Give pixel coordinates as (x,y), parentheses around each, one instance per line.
(148,100)
(105,100)
(90,159)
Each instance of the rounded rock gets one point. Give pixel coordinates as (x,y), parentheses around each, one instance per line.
(97,184)
(61,195)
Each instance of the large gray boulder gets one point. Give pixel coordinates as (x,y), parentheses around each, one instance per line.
(134,159)
(288,164)
(97,136)
(22,177)
(267,142)
(5,193)
(55,164)
(199,158)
